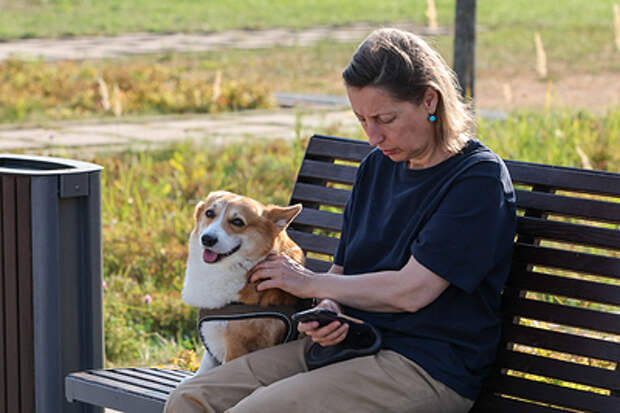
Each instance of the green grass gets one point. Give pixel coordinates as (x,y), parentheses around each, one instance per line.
(573,31)
(154,193)
(552,137)
(55,18)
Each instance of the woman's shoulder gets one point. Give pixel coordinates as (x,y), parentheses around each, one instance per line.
(483,162)
(478,153)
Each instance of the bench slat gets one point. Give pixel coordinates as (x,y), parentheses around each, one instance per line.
(564,231)
(318,265)
(328,171)
(562,342)
(562,370)
(566,287)
(175,375)
(121,376)
(561,314)
(559,177)
(494,403)
(303,192)
(100,391)
(157,380)
(315,243)
(592,209)
(314,218)
(567,260)
(557,395)
(337,148)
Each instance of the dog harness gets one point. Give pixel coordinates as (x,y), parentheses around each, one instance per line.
(239,311)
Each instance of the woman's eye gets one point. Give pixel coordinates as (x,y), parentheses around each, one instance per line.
(237,222)
(387,119)
(210,213)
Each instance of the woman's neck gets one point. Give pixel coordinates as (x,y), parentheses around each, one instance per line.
(432,156)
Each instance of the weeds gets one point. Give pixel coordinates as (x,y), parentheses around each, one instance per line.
(33,91)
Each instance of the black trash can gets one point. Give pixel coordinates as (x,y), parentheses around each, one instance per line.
(51,303)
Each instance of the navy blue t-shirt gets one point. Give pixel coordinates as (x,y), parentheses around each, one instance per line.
(457,218)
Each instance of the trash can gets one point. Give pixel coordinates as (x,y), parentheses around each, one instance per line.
(51,303)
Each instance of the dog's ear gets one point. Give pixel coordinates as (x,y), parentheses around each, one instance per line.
(199,210)
(282,216)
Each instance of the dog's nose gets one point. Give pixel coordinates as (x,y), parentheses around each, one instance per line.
(208,240)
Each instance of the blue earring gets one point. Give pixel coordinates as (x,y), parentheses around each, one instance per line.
(432,118)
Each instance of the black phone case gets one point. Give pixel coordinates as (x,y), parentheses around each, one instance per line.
(323,316)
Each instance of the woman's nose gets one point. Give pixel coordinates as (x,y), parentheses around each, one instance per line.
(375,135)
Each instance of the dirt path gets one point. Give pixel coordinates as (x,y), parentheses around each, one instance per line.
(595,93)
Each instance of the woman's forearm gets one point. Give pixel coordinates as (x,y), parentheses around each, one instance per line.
(405,290)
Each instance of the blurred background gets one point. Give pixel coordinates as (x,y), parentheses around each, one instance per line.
(176,99)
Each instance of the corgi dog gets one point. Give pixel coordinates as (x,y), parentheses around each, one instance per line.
(232,233)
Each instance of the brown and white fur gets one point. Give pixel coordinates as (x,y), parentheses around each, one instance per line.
(232,233)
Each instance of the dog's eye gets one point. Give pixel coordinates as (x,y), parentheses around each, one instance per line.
(237,222)
(210,213)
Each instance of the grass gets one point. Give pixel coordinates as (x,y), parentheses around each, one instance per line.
(576,35)
(154,193)
(57,18)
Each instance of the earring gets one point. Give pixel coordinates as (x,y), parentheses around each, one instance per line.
(432,118)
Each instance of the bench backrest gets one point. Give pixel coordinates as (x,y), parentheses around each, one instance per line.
(561,307)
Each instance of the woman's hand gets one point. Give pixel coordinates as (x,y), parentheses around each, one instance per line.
(280,271)
(330,334)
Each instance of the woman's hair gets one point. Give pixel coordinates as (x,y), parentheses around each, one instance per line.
(404,65)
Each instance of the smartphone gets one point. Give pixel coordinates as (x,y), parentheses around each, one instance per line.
(323,317)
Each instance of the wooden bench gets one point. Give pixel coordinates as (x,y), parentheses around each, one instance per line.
(555,355)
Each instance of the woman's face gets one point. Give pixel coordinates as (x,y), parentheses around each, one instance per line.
(401,130)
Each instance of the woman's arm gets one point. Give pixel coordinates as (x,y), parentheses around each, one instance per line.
(406,290)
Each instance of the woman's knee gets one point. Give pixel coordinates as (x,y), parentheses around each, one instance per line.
(185,399)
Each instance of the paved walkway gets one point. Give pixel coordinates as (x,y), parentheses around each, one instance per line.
(149,132)
(144,43)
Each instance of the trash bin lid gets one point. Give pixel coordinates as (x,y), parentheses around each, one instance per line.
(11,164)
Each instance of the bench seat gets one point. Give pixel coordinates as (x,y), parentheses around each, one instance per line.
(131,390)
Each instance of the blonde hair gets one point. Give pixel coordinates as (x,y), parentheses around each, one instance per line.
(404,65)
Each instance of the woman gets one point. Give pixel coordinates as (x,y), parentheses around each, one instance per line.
(424,253)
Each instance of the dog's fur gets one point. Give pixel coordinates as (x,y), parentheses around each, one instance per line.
(232,233)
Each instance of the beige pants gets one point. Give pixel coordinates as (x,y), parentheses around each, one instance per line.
(276,380)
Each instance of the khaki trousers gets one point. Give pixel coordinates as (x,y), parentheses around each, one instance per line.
(276,380)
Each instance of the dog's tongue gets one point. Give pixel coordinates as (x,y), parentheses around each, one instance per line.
(209,256)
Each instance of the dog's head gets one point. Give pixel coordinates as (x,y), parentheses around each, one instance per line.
(231,225)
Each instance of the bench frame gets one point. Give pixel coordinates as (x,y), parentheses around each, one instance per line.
(568,227)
